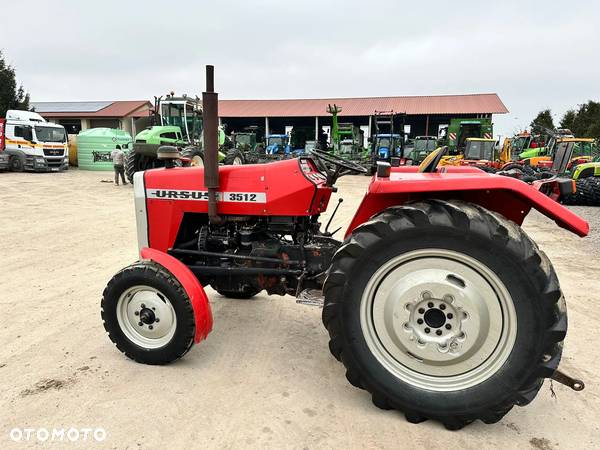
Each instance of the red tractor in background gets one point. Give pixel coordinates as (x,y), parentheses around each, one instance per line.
(436,301)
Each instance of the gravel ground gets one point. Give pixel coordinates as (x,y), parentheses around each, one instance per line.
(263,378)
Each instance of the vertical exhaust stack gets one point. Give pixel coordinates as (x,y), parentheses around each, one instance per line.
(210,113)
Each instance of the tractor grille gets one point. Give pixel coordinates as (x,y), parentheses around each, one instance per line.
(53,152)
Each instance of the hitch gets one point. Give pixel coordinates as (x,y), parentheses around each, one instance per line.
(563,378)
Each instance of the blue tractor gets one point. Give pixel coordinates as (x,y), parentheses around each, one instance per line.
(278,146)
(387,145)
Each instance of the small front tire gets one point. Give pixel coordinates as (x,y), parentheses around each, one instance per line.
(148,314)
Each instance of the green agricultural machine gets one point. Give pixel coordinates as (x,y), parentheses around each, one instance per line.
(246,148)
(176,121)
(420,148)
(347,139)
(459,130)
(528,151)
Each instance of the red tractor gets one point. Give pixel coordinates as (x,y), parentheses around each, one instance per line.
(436,301)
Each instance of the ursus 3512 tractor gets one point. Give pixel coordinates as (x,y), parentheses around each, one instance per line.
(437,302)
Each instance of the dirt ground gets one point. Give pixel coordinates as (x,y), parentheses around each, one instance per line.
(264,377)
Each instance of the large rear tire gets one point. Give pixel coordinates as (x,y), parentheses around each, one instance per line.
(195,155)
(148,314)
(445,311)
(588,191)
(132,165)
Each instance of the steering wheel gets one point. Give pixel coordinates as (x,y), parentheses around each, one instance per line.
(341,163)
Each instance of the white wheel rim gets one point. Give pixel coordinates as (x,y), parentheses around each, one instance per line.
(237,161)
(197,161)
(152,309)
(473,313)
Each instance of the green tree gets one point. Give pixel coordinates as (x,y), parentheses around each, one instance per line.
(584,121)
(11,95)
(543,120)
(568,119)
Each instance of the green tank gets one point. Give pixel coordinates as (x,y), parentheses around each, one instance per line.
(95,145)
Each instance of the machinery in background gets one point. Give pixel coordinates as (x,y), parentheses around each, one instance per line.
(175,121)
(419,148)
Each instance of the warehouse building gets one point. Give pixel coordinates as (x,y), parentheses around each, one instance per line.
(425,115)
(131,116)
(418,115)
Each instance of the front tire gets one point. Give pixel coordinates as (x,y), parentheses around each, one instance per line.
(446,311)
(17,163)
(147,314)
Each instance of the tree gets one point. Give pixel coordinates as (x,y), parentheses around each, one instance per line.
(11,96)
(568,119)
(585,121)
(543,120)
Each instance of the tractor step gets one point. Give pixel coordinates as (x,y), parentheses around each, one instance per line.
(312,297)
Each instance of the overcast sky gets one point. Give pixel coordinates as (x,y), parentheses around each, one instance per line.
(534,54)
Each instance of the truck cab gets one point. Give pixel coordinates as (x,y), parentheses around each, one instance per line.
(34,144)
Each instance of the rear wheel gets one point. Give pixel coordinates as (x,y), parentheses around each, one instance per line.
(148,314)
(132,165)
(195,155)
(234,157)
(588,191)
(444,310)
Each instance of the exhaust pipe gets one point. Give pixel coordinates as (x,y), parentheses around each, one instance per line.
(210,115)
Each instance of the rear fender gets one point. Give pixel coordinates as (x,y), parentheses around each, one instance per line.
(193,288)
(505,195)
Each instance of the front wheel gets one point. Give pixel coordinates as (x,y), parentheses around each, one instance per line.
(444,310)
(148,314)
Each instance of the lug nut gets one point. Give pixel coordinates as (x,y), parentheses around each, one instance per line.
(430,304)
(448,326)
(140,324)
(421,310)
(438,332)
(153,308)
(137,313)
(442,307)
(420,321)
(427,330)
(157,320)
(449,316)
(150,327)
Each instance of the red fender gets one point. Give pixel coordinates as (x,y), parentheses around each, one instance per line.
(508,196)
(193,288)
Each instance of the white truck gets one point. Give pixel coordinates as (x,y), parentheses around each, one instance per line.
(32,143)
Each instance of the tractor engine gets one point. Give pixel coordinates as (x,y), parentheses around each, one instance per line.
(283,255)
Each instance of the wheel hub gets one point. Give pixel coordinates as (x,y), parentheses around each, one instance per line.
(146,316)
(438,319)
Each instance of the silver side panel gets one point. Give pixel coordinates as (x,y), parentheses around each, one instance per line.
(141,215)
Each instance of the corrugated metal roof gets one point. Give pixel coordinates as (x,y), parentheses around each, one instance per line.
(125,108)
(41,107)
(366,106)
